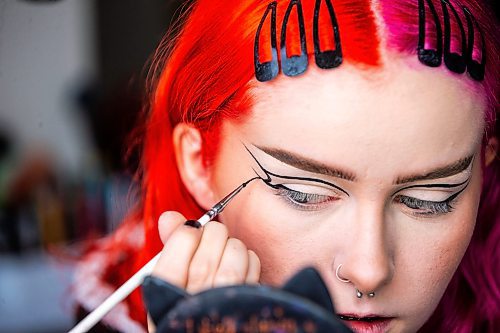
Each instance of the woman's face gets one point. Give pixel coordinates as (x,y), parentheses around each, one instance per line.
(385,181)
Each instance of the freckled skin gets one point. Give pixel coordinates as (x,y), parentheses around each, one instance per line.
(379,127)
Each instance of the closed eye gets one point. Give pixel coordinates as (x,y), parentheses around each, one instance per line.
(303,201)
(427,208)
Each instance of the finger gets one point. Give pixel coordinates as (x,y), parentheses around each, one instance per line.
(151,325)
(175,258)
(168,222)
(253,274)
(233,266)
(207,257)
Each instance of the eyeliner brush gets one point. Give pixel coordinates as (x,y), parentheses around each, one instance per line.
(125,289)
(219,207)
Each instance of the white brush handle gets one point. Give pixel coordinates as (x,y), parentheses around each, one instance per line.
(135,281)
(119,295)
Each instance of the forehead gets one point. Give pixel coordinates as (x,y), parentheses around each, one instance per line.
(399,115)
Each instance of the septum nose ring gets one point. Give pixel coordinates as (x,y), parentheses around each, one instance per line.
(359,294)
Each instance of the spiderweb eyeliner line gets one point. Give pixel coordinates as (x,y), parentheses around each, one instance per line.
(435,185)
(450,198)
(269,174)
(442,185)
(310,180)
(453,196)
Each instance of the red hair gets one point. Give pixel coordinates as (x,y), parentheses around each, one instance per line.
(202,73)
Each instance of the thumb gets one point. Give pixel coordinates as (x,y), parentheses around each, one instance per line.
(168,222)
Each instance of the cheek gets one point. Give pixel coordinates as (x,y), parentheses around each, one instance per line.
(429,258)
(430,266)
(282,246)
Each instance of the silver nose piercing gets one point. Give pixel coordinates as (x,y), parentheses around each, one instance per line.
(338,276)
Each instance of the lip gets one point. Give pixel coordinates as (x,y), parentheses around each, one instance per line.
(362,323)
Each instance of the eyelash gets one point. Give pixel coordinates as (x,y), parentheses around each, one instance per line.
(300,200)
(427,208)
(304,201)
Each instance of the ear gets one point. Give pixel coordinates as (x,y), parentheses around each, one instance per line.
(491,150)
(188,144)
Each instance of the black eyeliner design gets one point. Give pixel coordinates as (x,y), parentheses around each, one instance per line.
(436,207)
(433,186)
(268,180)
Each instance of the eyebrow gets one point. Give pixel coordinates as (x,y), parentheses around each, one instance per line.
(310,165)
(306,164)
(442,172)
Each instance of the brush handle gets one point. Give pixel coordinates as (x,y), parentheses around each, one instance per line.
(119,295)
(127,288)
(136,280)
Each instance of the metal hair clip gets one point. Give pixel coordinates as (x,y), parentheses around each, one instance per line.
(294,65)
(330,58)
(474,68)
(268,70)
(429,57)
(454,61)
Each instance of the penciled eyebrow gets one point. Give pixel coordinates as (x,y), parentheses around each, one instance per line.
(310,165)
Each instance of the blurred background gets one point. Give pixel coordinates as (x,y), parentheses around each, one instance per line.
(71,87)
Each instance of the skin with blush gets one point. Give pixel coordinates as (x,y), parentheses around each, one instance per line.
(383,178)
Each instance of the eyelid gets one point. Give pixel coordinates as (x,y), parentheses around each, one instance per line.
(427,209)
(447,202)
(307,179)
(289,195)
(311,189)
(433,186)
(268,180)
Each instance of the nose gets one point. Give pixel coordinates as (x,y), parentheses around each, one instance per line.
(367,261)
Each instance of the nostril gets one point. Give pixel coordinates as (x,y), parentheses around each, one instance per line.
(367,276)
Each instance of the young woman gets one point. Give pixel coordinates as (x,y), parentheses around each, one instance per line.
(373,124)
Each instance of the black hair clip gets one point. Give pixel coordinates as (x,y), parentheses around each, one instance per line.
(294,65)
(454,61)
(429,57)
(330,58)
(268,70)
(474,68)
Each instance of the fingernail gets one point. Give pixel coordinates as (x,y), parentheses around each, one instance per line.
(193,223)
